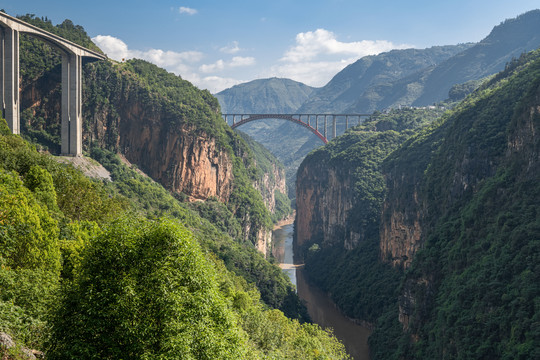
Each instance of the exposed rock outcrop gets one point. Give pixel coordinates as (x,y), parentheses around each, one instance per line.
(269,184)
(323,199)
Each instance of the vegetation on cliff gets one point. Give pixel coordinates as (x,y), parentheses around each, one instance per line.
(169,282)
(473,289)
(356,157)
(84,274)
(468,185)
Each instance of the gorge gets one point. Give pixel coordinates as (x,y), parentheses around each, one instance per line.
(422,223)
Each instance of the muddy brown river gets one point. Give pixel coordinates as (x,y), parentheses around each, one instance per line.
(320,307)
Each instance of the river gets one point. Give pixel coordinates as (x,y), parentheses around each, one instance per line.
(320,307)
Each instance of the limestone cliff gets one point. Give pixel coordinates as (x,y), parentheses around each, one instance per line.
(323,198)
(166,127)
(340,189)
(271,182)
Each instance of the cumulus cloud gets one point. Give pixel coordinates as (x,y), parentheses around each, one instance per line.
(314,73)
(215,84)
(217,66)
(231,49)
(242,61)
(220,65)
(180,63)
(311,44)
(187,10)
(114,48)
(318,55)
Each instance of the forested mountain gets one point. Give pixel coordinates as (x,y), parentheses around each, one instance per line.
(417,77)
(437,238)
(129,268)
(272,96)
(350,83)
(264,96)
(431,85)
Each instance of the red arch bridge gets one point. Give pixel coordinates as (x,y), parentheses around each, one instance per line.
(316,123)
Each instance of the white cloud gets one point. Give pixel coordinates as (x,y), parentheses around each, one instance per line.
(178,62)
(314,73)
(238,61)
(312,44)
(118,50)
(220,65)
(217,66)
(231,49)
(215,84)
(114,48)
(318,55)
(187,10)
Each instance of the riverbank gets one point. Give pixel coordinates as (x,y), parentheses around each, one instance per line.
(287,221)
(321,308)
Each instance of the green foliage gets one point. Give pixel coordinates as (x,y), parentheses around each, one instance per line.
(361,285)
(29,261)
(474,284)
(144,291)
(40,181)
(28,235)
(214,226)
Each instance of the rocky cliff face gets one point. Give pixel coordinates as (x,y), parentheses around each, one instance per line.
(179,156)
(172,131)
(270,183)
(402,219)
(324,198)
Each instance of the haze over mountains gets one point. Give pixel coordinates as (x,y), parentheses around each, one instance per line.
(413,77)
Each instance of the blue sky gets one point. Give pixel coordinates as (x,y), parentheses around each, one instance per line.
(216,43)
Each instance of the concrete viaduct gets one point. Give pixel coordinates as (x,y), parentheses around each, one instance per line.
(313,122)
(72,55)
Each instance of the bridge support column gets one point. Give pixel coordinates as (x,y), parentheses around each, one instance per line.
(325,126)
(71,104)
(9,49)
(334,132)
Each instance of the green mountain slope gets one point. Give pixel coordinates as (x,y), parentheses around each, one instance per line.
(264,96)
(430,85)
(345,88)
(87,274)
(449,235)
(93,270)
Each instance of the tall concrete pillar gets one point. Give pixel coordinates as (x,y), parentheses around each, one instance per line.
(9,48)
(71,104)
(334,132)
(325,123)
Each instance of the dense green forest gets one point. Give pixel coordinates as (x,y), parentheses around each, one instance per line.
(86,275)
(123,268)
(472,175)
(329,265)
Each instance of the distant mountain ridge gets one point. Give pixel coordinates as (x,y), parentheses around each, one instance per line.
(369,71)
(272,95)
(430,85)
(415,77)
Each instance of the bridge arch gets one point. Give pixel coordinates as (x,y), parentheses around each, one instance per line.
(72,54)
(305,120)
(293,118)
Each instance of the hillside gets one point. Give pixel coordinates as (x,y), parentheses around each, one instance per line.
(265,96)
(94,270)
(431,85)
(145,113)
(350,83)
(437,242)
(281,138)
